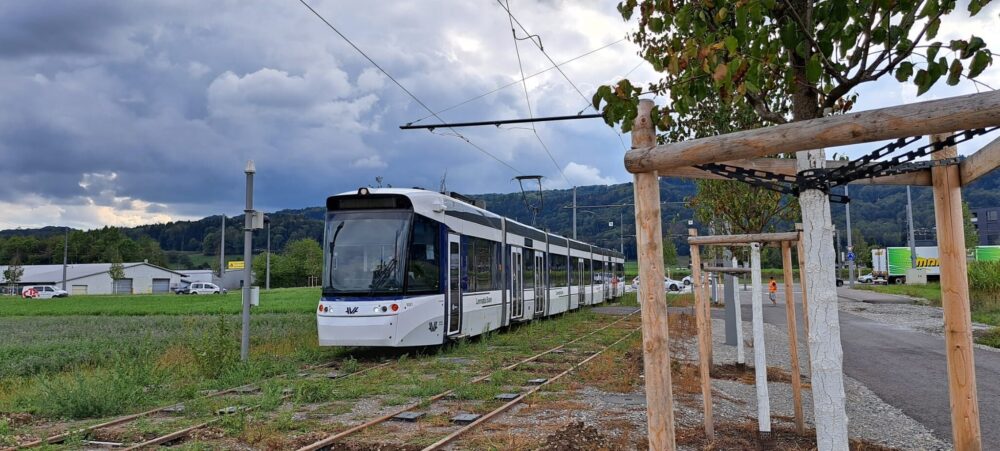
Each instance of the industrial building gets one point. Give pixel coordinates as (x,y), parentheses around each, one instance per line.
(987,222)
(95,278)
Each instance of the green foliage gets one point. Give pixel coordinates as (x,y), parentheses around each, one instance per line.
(990,338)
(783,59)
(13,272)
(301,260)
(669,253)
(117,270)
(123,387)
(971,233)
(215,349)
(984,276)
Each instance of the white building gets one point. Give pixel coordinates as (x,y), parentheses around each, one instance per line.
(95,278)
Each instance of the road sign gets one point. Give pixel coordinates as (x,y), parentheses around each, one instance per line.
(235,265)
(850,256)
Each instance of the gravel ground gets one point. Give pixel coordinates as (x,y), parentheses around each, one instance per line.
(870,418)
(921,318)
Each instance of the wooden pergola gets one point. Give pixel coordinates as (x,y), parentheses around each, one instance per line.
(648,161)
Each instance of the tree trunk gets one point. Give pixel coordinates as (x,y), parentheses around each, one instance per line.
(826,354)
(759,354)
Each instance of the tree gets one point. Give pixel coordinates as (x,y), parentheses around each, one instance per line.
(300,260)
(117,270)
(791,60)
(971,233)
(669,254)
(12,275)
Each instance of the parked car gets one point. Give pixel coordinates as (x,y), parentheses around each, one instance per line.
(686,280)
(866,278)
(202,288)
(840,282)
(43,292)
(668,284)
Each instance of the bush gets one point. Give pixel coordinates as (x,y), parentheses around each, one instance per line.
(984,276)
(215,350)
(95,394)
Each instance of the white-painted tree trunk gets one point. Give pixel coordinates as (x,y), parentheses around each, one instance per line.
(741,357)
(825,352)
(759,354)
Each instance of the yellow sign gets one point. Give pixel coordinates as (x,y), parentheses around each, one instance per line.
(235,265)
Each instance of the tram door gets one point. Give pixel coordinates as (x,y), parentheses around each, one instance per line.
(516,283)
(453,298)
(580,277)
(541,288)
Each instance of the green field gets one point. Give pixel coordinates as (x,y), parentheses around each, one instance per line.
(286,300)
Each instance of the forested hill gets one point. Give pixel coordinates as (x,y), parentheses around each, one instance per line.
(877,212)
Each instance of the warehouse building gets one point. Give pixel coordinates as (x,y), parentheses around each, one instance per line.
(95,278)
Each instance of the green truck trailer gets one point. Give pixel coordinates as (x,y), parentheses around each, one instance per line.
(891,263)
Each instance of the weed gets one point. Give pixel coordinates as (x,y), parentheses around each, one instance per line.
(990,338)
(215,349)
(313,391)
(86,394)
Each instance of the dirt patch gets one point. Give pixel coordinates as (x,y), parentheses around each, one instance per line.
(577,436)
(746,375)
(17,419)
(745,436)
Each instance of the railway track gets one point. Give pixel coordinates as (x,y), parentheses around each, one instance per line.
(171,408)
(535,385)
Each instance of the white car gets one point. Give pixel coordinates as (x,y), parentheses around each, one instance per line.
(205,288)
(686,280)
(865,278)
(668,284)
(43,292)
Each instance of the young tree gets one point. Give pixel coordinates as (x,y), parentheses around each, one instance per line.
(791,60)
(971,234)
(669,254)
(117,270)
(12,275)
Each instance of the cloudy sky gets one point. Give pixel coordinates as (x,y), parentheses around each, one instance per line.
(122,113)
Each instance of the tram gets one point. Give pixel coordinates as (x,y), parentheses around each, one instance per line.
(411,267)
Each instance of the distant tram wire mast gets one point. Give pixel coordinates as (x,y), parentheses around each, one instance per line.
(407,91)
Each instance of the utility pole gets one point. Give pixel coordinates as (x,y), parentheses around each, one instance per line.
(65,258)
(574,212)
(267,257)
(850,246)
(909,222)
(622,228)
(222,251)
(247,262)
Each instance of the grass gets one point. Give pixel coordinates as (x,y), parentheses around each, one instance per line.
(985,305)
(279,300)
(931,292)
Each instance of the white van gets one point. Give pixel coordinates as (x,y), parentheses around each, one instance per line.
(42,292)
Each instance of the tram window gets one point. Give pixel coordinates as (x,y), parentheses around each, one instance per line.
(574,273)
(529,268)
(590,272)
(423,273)
(482,264)
(557,270)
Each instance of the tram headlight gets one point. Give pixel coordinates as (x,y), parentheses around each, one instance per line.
(376,309)
(395,307)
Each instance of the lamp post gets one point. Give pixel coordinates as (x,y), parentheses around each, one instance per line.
(267,256)
(247,262)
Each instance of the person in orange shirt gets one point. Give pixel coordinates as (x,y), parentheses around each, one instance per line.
(772,291)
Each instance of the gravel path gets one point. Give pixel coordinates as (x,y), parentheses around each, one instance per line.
(918,317)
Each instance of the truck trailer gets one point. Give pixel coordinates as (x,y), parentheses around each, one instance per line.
(891,263)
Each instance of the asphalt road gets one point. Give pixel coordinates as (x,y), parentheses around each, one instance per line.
(904,367)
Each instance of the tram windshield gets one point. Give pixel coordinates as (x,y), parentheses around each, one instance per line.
(365,252)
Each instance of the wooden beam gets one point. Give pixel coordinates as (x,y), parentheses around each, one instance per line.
(935,116)
(793,336)
(980,163)
(965,428)
(786,166)
(655,341)
(704,339)
(742,239)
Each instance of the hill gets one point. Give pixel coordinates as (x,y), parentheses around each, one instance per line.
(878,212)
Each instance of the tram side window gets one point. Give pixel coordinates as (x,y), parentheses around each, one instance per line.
(482,264)
(423,273)
(557,270)
(528,258)
(590,271)
(574,273)
(599,271)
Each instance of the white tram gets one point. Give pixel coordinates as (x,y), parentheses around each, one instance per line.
(409,267)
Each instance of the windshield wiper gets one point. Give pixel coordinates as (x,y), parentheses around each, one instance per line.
(333,243)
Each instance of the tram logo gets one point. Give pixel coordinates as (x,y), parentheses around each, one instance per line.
(352,310)
(432,326)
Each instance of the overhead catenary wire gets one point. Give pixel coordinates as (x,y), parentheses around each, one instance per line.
(566,77)
(500,88)
(407,91)
(527,99)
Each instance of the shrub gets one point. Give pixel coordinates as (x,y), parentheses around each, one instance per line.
(215,350)
(991,338)
(102,393)
(984,276)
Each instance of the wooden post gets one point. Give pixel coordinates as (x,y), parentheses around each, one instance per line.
(707,306)
(740,353)
(655,344)
(955,300)
(793,335)
(704,340)
(759,354)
